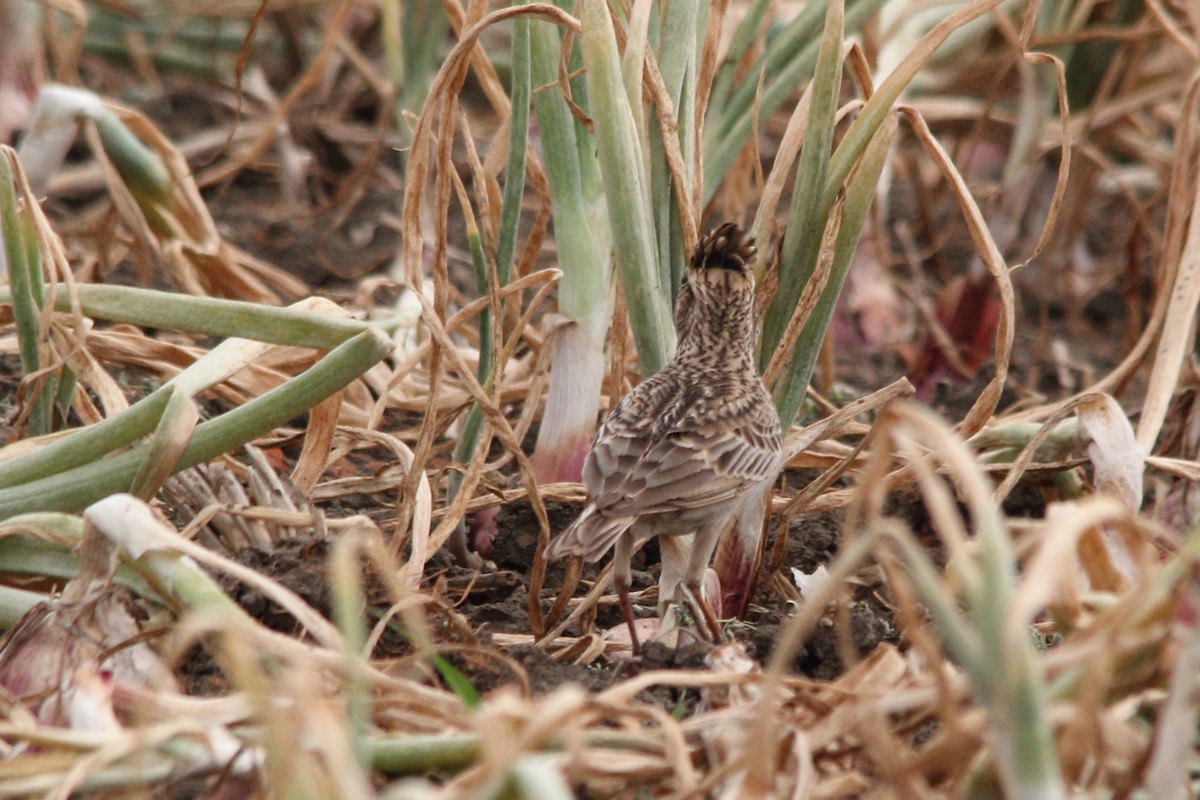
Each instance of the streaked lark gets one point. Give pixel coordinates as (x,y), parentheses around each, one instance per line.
(678,454)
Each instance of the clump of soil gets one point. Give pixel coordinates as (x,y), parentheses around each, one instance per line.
(517,540)
(298,564)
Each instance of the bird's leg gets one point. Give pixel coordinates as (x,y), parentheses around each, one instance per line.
(627,610)
(622,556)
(702,552)
(675,553)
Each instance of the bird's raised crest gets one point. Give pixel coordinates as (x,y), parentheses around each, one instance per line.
(727,247)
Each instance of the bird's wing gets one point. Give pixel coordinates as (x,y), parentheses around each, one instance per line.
(695,451)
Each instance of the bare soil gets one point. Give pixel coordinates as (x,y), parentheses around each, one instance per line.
(330,246)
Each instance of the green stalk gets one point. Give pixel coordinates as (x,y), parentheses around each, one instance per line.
(486,344)
(23,260)
(743,37)
(518,146)
(464,448)
(87,444)
(423,29)
(219,317)
(806,220)
(1024,742)
(625,187)
(76,488)
(582,243)
(788,57)
(140,168)
(677,60)
(993,647)
(419,755)
(94,441)
(49,385)
(348,601)
(510,217)
(43,545)
(149,308)
(33,260)
(959,637)
(1012,437)
(860,193)
(632,65)
(582,236)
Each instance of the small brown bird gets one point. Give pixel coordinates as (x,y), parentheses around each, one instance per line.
(680,452)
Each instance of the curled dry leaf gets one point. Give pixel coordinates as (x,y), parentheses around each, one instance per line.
(1117,456)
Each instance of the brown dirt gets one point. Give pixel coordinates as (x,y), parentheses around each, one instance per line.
(324,246)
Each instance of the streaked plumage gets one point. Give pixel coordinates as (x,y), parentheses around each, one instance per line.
(679,452)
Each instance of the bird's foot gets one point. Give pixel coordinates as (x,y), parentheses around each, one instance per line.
(707,624)
(627,610)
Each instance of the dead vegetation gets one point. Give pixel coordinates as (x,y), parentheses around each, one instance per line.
(238,519)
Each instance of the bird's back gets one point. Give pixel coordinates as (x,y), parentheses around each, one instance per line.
(682,440)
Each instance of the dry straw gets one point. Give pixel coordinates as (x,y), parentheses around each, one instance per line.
(1030,658)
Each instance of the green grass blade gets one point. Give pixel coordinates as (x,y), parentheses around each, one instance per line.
(518,140)
(806,220)
(793,383)
(788,58)
(22,261)
(458,683)
(583,261)
(625,186)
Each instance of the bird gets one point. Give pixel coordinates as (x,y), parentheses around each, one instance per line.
(678,454)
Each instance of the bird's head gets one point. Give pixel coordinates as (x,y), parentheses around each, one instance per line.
(717,302)
(718,273)
(721,262)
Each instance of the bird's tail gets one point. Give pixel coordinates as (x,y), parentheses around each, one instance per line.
(590,536)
